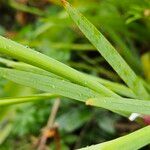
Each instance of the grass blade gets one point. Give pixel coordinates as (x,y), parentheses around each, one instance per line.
(26,67)
(116,87)
(73,91)
(107,51)
(48,84)
(133,141)
(121,104)
(18,100)
(42,61)
(52,85)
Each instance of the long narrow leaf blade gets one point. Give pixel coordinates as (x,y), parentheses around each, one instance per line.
(25,54)
(116,87)
(26,67)
(107,51)
(52,85)
(18,100)
(133,141)
(121,104)
(70,90)
(48,84)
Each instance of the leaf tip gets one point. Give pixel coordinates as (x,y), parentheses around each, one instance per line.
(64,2)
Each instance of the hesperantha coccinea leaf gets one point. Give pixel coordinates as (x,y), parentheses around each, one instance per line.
(74,77)
(107,51)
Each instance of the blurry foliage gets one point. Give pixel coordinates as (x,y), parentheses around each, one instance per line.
(44,25)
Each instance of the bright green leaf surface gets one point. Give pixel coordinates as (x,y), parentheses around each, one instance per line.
(10,101)
(133,141)
(107,51)
(48,84)
(122,104)
(116,87)
(42,61)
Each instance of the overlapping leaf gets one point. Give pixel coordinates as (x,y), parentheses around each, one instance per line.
(107,51)
(126,142)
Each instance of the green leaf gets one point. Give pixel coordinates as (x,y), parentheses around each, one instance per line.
(133,141)
(116,87)
(48,84)
(122,104)
(52,85)
(107,51)
(25,54)
(18,100)
(26,67)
